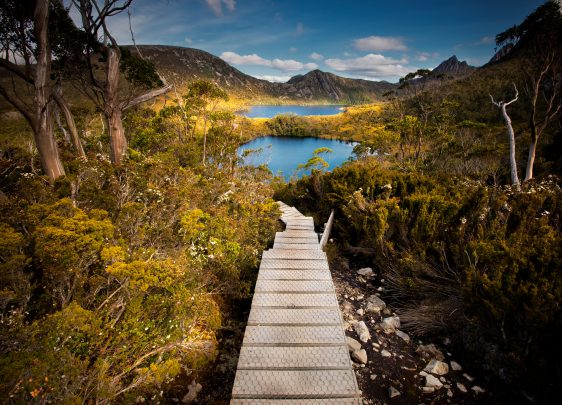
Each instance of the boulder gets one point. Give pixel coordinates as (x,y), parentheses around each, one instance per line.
(374,305)
(390,324)
(430,351)
(366,272)
(385,353)
(437,367)
(352,344)
(360,312)
(455,366)
(393,392)
(478,390)
(461,387)
(432,381)
(362,331)
(360,356)
(403,336)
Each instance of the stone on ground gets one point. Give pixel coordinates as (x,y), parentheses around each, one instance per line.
(402,335)
(362,331)
(437,367)
(352,344)
(390,324)
(430,351)
(360,356)
(432,381)
(393,392)
(455,366)
(366,271)
(374,305)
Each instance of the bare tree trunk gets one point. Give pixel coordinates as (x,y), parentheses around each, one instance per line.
(43,128)
(70,123)
(512,160)
(531,159)
(204,138)
(113,113)
(511,135)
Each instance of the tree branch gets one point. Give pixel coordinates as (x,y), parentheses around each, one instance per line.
(145,97)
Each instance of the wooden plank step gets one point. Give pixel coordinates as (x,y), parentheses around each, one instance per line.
(297,384)
(294,264)
(289,300)
(301,316)
(297,234)
(294,254)
(282,357)
(297,246)
(280,274)
(303,335)
(309,401)
(295,286)
(303,241)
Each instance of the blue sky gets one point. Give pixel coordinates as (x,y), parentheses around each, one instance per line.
(369,39)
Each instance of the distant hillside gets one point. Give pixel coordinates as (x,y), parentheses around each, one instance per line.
(183,65)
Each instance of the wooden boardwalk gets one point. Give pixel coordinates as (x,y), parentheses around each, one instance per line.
(294,349)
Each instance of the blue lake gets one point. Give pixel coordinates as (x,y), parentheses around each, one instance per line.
(270,111)
(283,154)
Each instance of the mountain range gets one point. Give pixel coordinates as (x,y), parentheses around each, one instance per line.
(180,66)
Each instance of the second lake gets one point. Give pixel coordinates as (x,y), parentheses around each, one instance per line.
(283,154)
(270,111)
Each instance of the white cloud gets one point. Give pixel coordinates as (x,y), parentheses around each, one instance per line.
(487,40)
(285,65)
(216,5)
(300,29)
(371,66)
(375,43)
(293,49)
(316,56)
(188,41)
(230,4)
(273,78)
(425,56)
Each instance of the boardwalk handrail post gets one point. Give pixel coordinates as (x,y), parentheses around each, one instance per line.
(327,230)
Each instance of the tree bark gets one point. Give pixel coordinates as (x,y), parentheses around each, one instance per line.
(531,159)
(70,123)
(43,128)
(113,113)
(511,135)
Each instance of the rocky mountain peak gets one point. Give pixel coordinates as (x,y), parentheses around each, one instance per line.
(453,66)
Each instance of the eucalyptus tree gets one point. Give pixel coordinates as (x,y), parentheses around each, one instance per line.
(26,57)
(107,92)
(539,39)
(502,105)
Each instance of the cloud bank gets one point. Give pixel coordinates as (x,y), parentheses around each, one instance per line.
(373,66)
(284,65)
(375,43)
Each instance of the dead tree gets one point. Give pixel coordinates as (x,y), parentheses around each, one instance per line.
(502,105)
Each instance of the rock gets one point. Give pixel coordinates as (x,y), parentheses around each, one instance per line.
(346,306)
(374,305)
(432,381)
(437,367)
(362,331)
(455,366)
(478,390)
(390,324)
(366,271)
(360,297)
(402,335)
(423,373)
(385,353)
(380,289)
(428,390)
(450,393)
(443,380)
(360,312)
(373,377)
(429,351)
(461,387)
(352,344)
(393,392)
(360,356)
(468,377)
(376,345)
(192,391)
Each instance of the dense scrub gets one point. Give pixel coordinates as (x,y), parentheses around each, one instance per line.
(458,257)
(115,280)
